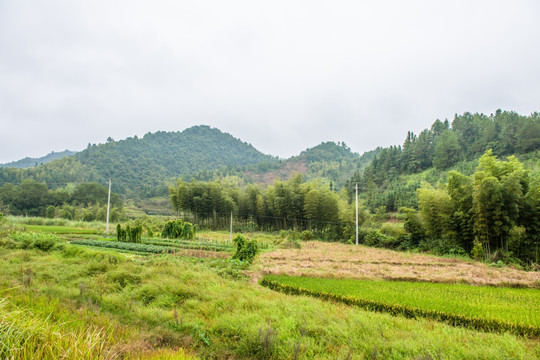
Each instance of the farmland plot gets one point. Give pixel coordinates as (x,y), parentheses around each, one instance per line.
(483,308)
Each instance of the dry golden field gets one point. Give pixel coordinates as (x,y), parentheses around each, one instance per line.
(320,259)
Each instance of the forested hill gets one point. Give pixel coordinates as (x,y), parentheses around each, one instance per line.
(142,167)
(30,162)
(390,181)
(332,162)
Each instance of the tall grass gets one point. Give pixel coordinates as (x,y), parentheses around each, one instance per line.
(179,303)
(39,221)
(26,336)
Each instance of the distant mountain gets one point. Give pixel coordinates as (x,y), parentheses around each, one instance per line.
(28,162)
(143,167)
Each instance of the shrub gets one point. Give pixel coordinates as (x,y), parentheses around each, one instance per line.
(123,277)
(378,239)
(188,231)
(44,242)
(245,249)
(50,212)
(178,229)
(394,230)
(477,252)
(307,235)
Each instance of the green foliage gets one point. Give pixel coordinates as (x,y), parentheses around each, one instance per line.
(245,249)
(481,308)
(121,234)
(307,235)
(378,239)
(178,229)
(157,246)
(126,246)
(41,241)
(87,202)
(292,204)
(135,233)
(447,151)
(477,251)
(31,162)
(494,210)
(469,136)
(413,226)
(141,167)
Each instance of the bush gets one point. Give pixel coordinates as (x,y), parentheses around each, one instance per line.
(394,230)
(378,239)
(50,212)
(477,252)
(307,235)
(44,242)
(178,229)
(245,249)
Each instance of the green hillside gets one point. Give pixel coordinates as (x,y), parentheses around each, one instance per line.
(396,172)
(143,167)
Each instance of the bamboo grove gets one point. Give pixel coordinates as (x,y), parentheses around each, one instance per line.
(291,204)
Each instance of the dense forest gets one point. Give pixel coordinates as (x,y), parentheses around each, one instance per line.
(457,145)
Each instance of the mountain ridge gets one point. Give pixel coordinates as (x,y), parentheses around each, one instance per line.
(28,162)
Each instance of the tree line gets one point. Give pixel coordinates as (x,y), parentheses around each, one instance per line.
(291,204)
(86,201)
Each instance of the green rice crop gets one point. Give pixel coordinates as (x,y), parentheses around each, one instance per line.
(60,229)
(496,308)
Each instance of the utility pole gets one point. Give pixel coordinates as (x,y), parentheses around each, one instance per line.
(356,213)
(230,234)
(108,206)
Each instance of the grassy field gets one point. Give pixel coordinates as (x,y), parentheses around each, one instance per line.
(166,303)
(516,307)
(59,299)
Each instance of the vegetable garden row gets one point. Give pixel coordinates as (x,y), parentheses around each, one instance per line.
(152,248)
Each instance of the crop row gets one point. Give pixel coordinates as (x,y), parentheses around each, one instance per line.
(144,248)
(482,324)
(192,245)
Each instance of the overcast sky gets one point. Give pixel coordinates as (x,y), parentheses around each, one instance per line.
(281,75)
